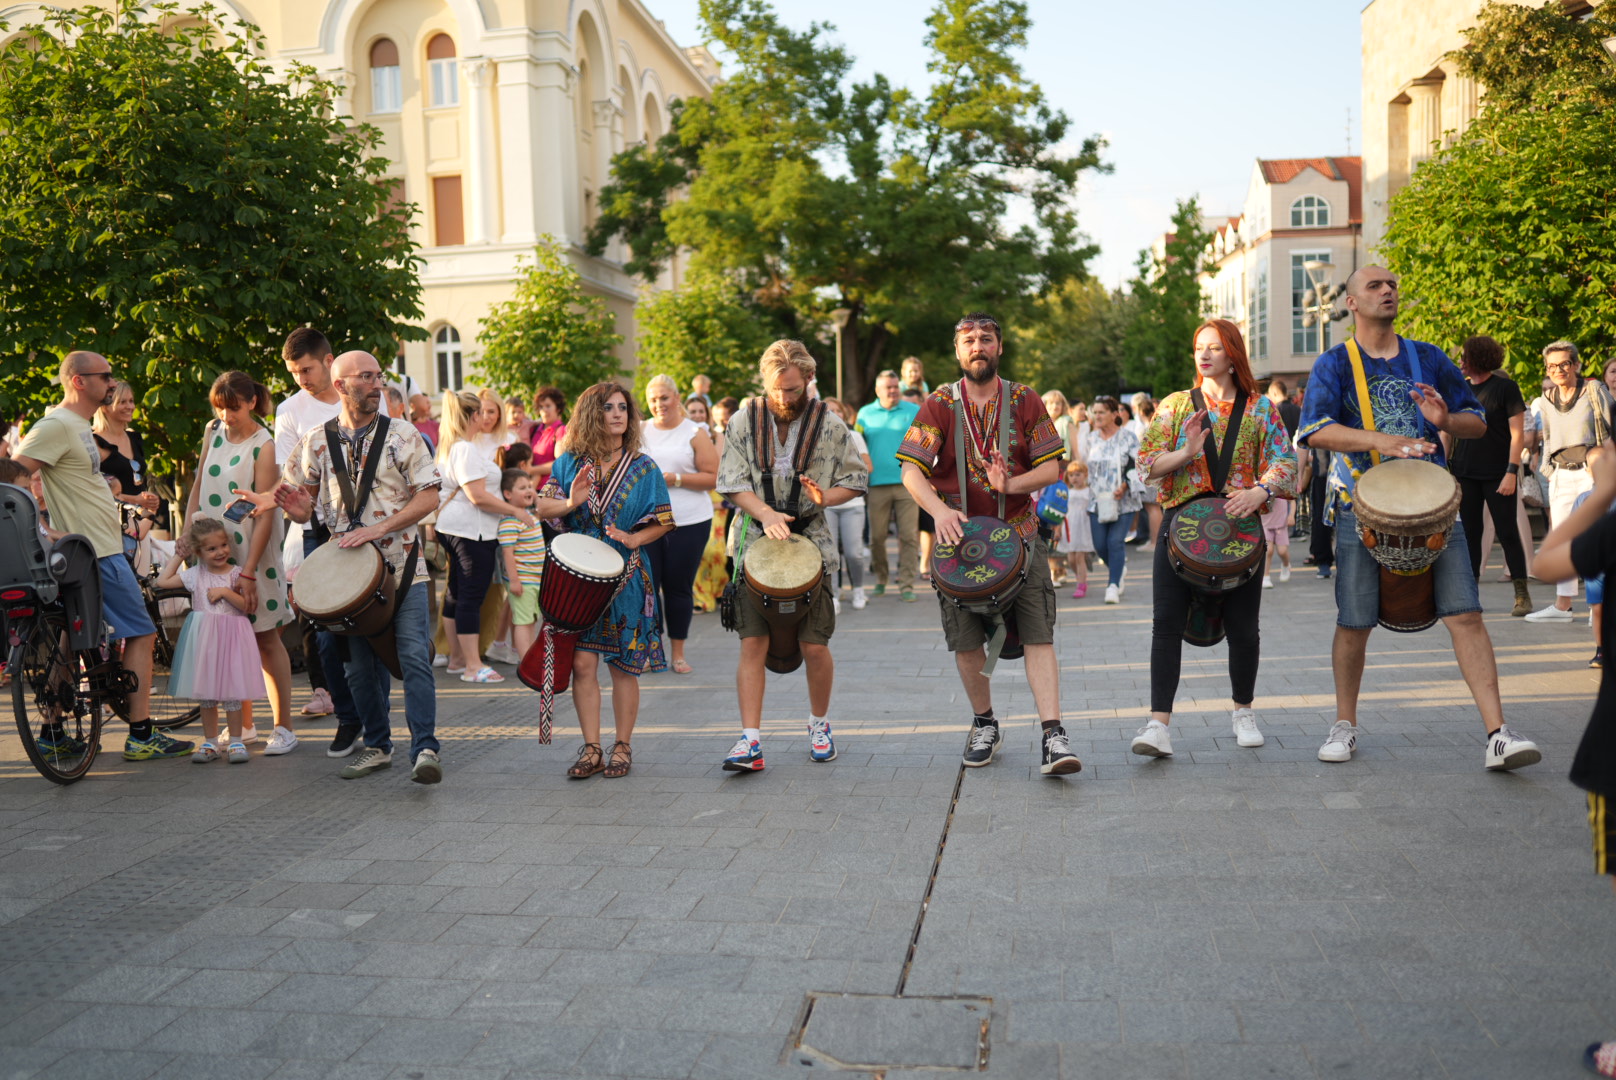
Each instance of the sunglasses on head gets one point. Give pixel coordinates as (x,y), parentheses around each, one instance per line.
(976,324)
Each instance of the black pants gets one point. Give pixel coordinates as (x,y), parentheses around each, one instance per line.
(1473,495)
(1321,545)
(675,560)
(471,571)
(1241,609)
(311,654)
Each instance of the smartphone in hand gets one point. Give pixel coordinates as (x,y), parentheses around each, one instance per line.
(238,510)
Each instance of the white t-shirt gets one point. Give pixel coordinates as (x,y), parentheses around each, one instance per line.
(672,452)
(457,516)
(298,415)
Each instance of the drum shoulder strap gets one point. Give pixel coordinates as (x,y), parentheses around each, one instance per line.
(1222,456)
(1366,408)
(353,501)
(962,462)
(813,424)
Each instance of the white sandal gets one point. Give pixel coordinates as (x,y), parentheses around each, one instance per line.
(484,675)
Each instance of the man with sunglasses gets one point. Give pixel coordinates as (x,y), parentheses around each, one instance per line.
(60,447)
(951,494)
(1576,418)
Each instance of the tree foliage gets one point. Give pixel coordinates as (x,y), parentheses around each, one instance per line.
(1510,231)
(816,193)
(171,201)
(705,327)
(1167,304)
(550,332)
(1074,341)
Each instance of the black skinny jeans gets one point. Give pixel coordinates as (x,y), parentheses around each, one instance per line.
(675,560)
(1473,495)
(1241,609)
(1321,544)
(471,571)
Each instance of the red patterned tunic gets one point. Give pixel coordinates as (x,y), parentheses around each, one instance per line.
(929,445)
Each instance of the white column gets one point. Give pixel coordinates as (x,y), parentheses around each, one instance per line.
(483,189)
(538,148)
(1424,120)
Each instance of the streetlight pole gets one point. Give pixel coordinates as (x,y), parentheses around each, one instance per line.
(1318,303)
(839,319)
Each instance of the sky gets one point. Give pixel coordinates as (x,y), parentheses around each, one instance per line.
(1189,93)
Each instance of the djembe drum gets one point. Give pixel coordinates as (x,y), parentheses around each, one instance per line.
(1405,510)
(781,579)
(581,577)
(1214,552)
(984,573)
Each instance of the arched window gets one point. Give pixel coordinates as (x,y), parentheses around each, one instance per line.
(386,86)
(446,347)
(445,71)
(1310,212)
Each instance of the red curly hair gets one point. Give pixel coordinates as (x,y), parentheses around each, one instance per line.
(1234,346)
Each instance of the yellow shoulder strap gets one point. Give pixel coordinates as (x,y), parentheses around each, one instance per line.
(1362,385)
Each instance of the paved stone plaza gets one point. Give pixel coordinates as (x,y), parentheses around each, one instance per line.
(1227,913)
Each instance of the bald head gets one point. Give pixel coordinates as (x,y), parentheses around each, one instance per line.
(358,379)
(87,382)
(352,363)
(1372,295)
(80,362)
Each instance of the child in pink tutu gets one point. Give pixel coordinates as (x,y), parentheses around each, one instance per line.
(216,658)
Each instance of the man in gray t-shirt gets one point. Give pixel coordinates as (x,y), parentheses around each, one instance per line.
(1575,414)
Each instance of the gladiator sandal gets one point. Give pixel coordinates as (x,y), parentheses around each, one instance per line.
(589,762)
(622,760)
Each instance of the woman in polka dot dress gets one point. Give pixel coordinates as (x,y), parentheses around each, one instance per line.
(238,453)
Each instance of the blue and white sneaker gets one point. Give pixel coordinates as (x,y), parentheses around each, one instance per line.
(745,756)
(820,745)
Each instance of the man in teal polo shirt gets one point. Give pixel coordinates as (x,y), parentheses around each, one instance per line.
(883,424)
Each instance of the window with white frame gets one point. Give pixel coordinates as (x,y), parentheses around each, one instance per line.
(443,69)
(386,83)
(1310,212)
(1259,311)
(1305,339)
(446,347)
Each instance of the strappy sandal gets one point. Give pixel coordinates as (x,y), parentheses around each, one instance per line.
(621,763)
(588,764)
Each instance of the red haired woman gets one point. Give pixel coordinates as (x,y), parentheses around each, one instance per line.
(1180,452)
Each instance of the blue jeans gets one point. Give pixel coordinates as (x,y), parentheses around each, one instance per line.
(1108,545)
(1357,578)
(370,683)
(342,701)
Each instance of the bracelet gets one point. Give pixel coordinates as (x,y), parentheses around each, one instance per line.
(1267,490)
(678,481)
(245,577)
(1513,470)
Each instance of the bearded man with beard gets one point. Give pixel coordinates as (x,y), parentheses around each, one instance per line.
(990,478)
(786,458)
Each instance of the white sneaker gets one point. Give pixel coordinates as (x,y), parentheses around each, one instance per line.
(1267,581)
(1113,595)
(836,605)
(281,741)
(1122,583)
(1245,728)
(1550,614)
(249,734)
(1342,741)
(501,653)
(1284,574)
(1507,750)
(859,600)
(439,660)
(1153,741)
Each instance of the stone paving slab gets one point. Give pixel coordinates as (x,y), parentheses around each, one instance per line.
(1224,913)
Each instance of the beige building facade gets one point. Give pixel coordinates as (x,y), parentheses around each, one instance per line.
(1414,100)
(499,119)
(1297,210)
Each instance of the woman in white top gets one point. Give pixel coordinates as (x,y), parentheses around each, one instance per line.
(468,523)
(688,459)
(847,520)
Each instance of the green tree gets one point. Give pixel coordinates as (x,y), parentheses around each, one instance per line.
(705,327)
(1509,231)
(1074,341)
(549,332)
(1157,340)
(902,208)
(171,201)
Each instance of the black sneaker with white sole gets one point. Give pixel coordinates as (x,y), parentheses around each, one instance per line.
(345,742)
(1058,757)
(985,740)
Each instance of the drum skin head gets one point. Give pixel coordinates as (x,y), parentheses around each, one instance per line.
(987,559)
(332,578)
(783,566)
(591,557)
(1406,496)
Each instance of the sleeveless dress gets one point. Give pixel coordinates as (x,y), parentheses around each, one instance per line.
(229,467)
(216,657)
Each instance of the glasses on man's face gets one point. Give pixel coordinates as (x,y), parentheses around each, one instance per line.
(615,406)
(107,375)
(367,376)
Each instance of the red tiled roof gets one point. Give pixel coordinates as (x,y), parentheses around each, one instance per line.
(1348,169)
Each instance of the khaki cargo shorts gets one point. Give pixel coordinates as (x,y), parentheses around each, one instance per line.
(816,629)
(1034,608)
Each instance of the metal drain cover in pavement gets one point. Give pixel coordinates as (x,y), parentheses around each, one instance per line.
(875,1031)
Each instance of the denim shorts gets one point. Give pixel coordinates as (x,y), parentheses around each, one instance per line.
(122,605)
(1595,587)
(1357,577)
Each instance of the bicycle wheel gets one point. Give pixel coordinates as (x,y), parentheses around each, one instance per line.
(60,731)
(168,608)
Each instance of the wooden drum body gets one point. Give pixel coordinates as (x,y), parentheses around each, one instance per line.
(351,591)
(581,575)
(985,571)
(782,577)
(1405,510)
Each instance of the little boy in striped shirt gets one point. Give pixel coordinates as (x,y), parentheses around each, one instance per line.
(522,548)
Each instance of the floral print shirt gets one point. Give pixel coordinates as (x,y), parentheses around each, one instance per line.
(1263,453)
(1112,462)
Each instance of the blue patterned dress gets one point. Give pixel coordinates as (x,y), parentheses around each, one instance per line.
(627,634)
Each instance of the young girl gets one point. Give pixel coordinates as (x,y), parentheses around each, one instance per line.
(1276,524)
(1074,538)
(216,658)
